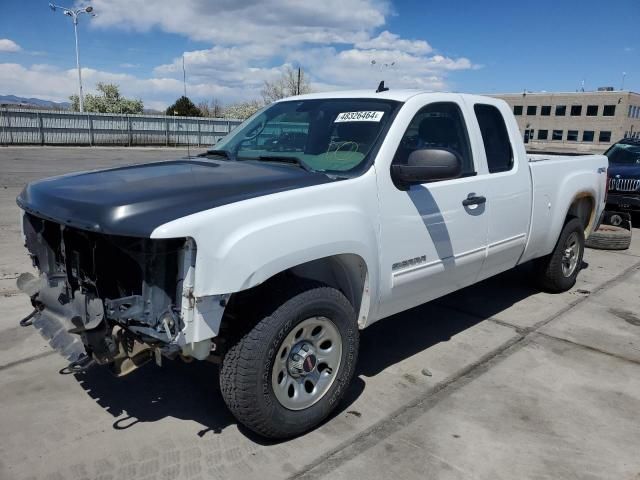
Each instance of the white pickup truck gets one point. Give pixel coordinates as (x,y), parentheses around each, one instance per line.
(315,218)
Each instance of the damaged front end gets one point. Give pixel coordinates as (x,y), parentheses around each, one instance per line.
(116,300)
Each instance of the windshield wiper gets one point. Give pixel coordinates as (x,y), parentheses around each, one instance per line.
(286,159)
(218,153)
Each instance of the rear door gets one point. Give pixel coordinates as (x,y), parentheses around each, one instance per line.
(433,240)
(507,185)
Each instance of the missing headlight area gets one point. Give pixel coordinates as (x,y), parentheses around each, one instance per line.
(121,295)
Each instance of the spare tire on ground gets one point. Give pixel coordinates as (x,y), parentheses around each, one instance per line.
(608,237)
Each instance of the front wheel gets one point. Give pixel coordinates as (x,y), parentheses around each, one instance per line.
(290,371)
(558,271)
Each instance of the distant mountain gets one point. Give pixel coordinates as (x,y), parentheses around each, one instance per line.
(32,102)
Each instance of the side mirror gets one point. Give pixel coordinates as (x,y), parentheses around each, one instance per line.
(427,165)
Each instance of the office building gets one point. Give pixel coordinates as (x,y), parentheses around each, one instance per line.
(578,122)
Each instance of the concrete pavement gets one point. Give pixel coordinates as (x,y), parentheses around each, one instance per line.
(496,381)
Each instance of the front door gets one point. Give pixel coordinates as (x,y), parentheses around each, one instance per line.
(434,235)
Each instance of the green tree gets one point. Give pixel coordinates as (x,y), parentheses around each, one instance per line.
(108,100)
(184,108)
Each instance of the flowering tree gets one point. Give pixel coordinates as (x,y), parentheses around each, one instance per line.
(108,100)
(242,110)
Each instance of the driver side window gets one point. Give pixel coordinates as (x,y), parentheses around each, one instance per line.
(438,125)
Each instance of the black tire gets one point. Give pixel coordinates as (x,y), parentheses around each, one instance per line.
(245,376)
(548,270)
(608,237)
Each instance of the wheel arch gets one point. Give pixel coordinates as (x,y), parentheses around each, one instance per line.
(346,272)
(583,207)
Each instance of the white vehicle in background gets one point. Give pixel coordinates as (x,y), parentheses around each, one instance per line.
(317,217)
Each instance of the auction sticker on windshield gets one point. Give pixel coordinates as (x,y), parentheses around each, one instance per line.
(359,117)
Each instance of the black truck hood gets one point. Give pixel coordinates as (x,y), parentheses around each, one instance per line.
(134,200)
(625,171)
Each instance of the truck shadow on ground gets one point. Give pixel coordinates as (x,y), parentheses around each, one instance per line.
(390,341)
(191,391)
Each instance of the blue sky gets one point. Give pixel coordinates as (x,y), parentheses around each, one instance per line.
(232,46)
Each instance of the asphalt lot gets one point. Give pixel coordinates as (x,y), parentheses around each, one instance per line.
(497,381)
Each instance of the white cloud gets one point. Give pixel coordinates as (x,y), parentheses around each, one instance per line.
(7,45)
(339,44)
(234,22)
(50,83)
(390,41)
(356,68)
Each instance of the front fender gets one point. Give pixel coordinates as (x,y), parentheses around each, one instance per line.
(258,251)
(243,244)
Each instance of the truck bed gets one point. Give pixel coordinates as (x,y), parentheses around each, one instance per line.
(552,178)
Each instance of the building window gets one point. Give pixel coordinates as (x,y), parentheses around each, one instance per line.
(576,110)
(545,110)
(572,135)
(528,135)
(543,134)
(532,110)
(561,110)
(605,137)
(609,111)
(592,110)
(632,111)
(557,135)
(587,136)
(517,109)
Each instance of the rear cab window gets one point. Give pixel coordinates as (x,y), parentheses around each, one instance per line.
(495,137)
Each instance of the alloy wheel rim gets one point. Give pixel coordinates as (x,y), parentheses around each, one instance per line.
(307,363)
(570,255)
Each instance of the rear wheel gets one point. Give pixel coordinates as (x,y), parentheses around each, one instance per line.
(558,271)
(290,371)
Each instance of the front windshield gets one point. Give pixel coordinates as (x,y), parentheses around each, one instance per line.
(624,154)
(324,134)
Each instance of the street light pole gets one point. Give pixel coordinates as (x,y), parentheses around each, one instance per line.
(75,31)
(74,15)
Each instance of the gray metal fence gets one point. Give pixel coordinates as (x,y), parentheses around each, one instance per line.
(46,127)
